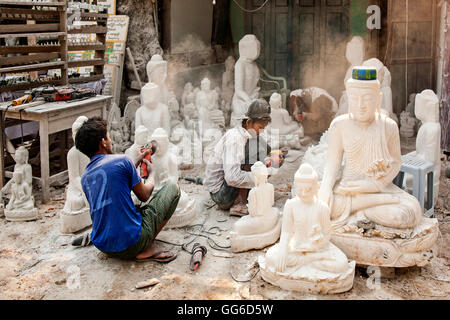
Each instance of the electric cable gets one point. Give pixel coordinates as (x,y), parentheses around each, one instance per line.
(253,10)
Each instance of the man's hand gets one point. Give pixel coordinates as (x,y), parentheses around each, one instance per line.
(141,157)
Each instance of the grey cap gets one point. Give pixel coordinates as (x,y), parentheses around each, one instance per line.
(258,109)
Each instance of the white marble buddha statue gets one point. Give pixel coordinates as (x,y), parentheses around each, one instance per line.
(355,56)
(157,74)
(374,222)
(261,227)
(165,168)
(305,259)
(187,91)
(21,204)
(371,144)
(152,114)
(75,215)
(141,138)
(206,101)
(246,77)
(428,141)
(289,131)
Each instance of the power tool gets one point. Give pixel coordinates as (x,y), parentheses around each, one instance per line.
(66,94)
(198,252)
(276,158)
(152,147)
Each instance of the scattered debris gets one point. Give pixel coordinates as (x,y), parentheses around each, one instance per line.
(222,254)
(147,283)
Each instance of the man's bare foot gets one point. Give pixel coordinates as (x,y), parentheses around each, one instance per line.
(155,253)
(239,210)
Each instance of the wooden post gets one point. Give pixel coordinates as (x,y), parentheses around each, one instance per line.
(45,160)
(445,98)
(63,43)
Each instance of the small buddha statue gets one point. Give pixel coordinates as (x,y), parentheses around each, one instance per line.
(141,138)
(75,215)
(246,77)
(152,114)
(305,259)
(21,204)
(157,74)
(165,168)
(262,226)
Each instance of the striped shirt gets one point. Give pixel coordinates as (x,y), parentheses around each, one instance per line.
(225,163)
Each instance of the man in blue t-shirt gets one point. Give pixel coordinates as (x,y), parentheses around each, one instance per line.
(119,229)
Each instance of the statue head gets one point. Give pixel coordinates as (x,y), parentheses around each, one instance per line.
(249,47)
(364,96)
(188,87)
(427,106)
(377,64)
(157,69)
(259,171)
(306,183)
(150,95)
(77,125)
(177,134)
(21,155)
(141,135)
(160,136)
(355,51)
(205,85)
(229,63)
(275,100)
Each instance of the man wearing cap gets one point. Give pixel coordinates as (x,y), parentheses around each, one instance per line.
(227,172)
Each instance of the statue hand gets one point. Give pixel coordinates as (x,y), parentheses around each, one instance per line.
(358,186)
(326,195)
(282,261)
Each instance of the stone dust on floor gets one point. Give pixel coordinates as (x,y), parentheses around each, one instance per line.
(37,262)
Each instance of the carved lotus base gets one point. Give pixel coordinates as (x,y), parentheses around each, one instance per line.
(75,221)
(387,247)
(183,216)
(241,243)
(21,215)
(325,285)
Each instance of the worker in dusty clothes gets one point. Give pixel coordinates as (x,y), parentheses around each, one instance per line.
(228,179)
(119,229)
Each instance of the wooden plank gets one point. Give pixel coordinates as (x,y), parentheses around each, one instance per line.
(29,49)
(34,67)
(84,63)
(37,34)
(28,16)
(88,29)
(86,79)
(21,28)
(20,11)
(82,47)
(38,57)
(33,3)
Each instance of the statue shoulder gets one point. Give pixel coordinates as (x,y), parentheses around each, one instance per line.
(340,121)
(391,125)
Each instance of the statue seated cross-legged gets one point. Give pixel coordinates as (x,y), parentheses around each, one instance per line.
(375,222)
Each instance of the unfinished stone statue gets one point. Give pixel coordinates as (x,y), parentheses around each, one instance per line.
(407,125)
(428,139)
(228,79)
(374,221)
(305,260)
(262,226)
(152,114)
(75,215)
(206,101)
(246,77)
(157,74)
(128,120)
(187,92)
(21,203)
(165,169)
(115,133)
(282,127)
(355,56)
(141,137)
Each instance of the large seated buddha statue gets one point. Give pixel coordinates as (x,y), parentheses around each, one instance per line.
(374,221)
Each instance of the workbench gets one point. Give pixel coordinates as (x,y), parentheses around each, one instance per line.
(53,117)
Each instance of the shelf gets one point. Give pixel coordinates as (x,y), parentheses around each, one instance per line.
(29,49)
(28,14)
(26,86)
(35,67)
(100,16)
(38,57)
(82,47)
(32,3)
(86,79)
(85,63)
(37,34)
(21,28)
(88,29)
